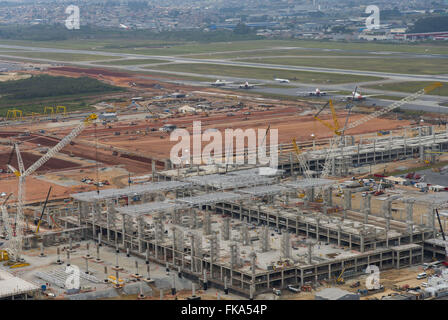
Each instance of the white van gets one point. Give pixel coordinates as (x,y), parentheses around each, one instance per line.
(421,276)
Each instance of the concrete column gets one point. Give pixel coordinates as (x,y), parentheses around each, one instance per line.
(410,211)
(123,234)
(367,207)
(329,196)
(347,199)
(339,234)
(362,235)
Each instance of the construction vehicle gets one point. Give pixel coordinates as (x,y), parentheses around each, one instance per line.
(294,289)
(4,255)
(306,288)
(366,292)
(383,132)
(340,279)
(379,191)
(404,287)
(445,262)
(154,116)
(277,292)
(113,280)
(15,244)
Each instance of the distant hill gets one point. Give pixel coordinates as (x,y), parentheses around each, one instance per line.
(433,24)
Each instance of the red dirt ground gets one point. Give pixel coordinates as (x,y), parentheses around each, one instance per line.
(29,159)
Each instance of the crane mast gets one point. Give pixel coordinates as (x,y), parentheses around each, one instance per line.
(16,242)
(302,161)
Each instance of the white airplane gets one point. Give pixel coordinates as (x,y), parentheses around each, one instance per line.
(122,26)
(246,85)
(316,93)
(356,96)
(220,83)
(281,80)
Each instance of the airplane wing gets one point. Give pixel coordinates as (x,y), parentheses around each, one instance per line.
(303,93)
(371,95)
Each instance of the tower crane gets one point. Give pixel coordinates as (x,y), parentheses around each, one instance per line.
(15,246)
(337,131)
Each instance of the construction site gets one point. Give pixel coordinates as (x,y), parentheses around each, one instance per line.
(96,195)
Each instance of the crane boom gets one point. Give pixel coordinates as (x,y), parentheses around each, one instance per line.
(336,126)
(65,141)
(16,242)
(302,161)
(329,158)
(19,159)
(394,105)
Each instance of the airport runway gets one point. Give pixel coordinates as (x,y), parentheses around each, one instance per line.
(178,59)
(426,103)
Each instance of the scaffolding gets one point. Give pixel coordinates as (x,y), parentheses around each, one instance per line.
(210,198)
(230,181)
(151,187)
(315,182)
(149,208)
(264,190)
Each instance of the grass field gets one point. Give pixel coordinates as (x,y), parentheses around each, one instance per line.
(61,56)
(263,73)
(34,93)
(411,87)
(132,62)
(395,65)
(178,48)
(274,53)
